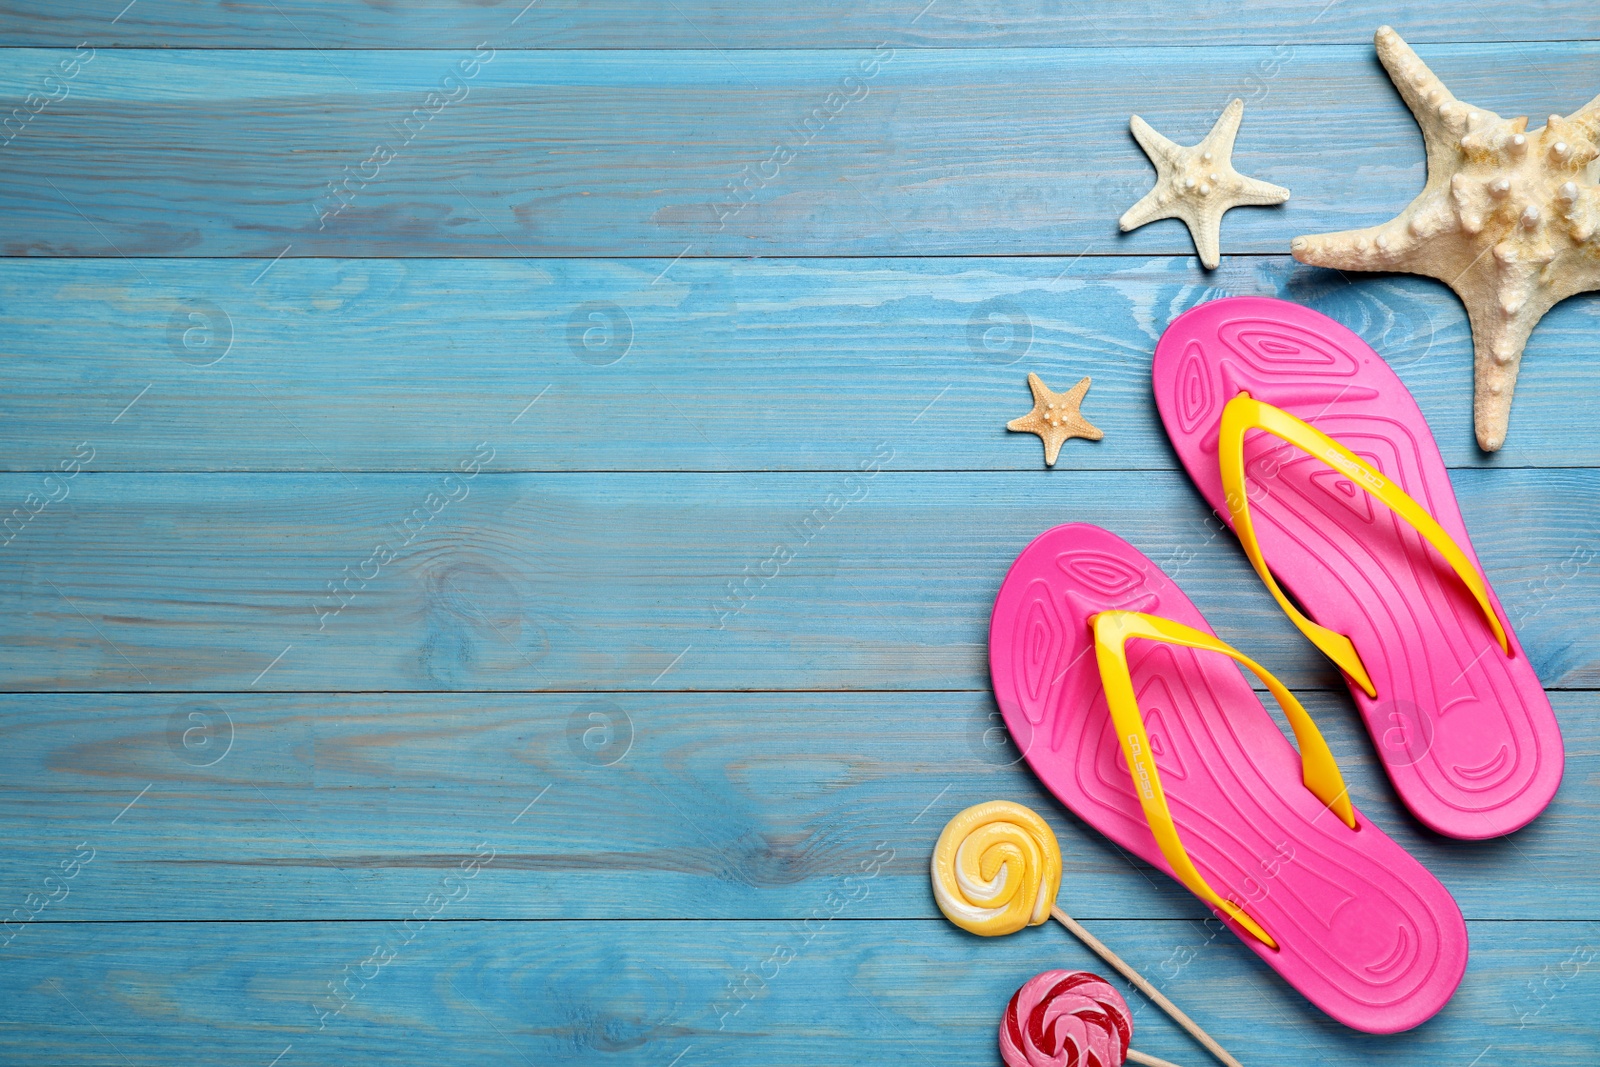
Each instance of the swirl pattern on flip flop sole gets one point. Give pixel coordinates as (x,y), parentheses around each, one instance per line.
(996,869)
(1066,1019)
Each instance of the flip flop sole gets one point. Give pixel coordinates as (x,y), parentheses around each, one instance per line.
(1365,932)
(1466,733)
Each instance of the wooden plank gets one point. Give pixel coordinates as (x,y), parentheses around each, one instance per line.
(918,992)
(622,581)
(234,806)
(346,365)
(726,24)
(563,153)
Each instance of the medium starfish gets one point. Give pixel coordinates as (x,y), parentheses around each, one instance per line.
(1197,184)
(1508,219)
(1055,417)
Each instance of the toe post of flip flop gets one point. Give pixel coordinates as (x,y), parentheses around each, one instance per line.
(1309,446)
(1137,717)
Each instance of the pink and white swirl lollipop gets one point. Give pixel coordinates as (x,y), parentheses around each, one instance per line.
(1069,1019)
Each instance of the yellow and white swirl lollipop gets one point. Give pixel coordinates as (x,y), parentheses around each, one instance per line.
(997,869)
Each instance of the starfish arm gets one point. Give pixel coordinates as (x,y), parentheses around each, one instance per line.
(1442,118)
(1075,395)
(1158,148)
(1081,427)
(1506,295)
(1040,391)
(1351,249)
(1497,343)
(1255,191)
(1419,86)
(1025,424)
(1206,229)
(1220,140)
(1148,209)
(1052,447)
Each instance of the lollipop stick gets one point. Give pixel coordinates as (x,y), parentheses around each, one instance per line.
(1146,988)
(1135,1056)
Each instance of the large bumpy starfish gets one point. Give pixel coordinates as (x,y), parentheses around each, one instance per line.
(1197,184)
(1508,219)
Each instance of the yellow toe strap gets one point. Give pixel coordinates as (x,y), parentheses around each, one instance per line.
(1112,630)
(1244,413)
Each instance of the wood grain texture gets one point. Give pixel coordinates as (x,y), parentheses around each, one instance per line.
(621,581)
(913,992)
(616,805)
(346,365)
(737,25)
(696,822)
(564,153)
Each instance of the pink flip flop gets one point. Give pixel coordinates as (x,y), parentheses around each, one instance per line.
(1357,518)
(1113,686)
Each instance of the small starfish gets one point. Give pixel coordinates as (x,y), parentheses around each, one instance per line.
(1509,219)
(1055,417)
(1197,184)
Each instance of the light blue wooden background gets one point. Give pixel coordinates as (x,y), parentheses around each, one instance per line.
(537,289)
